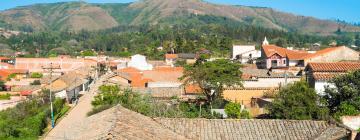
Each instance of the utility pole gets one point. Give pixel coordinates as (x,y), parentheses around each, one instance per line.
(51,70)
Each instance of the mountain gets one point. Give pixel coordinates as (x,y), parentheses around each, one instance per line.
(80,15)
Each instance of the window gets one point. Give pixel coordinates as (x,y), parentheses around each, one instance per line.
(284,62)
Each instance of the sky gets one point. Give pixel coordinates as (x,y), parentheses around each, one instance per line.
(348,10)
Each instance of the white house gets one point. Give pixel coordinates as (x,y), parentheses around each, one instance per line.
(244,53)
(139,62)
(318,75)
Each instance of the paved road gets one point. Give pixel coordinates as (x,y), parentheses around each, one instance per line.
(63,130)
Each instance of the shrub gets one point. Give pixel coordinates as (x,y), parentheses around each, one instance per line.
(36,82)
(27,119)
(99,109)
(232,110)
(11,76)
(6,96)
(36,75)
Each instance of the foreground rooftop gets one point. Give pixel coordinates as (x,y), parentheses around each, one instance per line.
(121,123)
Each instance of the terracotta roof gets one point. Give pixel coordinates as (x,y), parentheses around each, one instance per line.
(333,67)
(192,89)
(4,58)
(164,74)
(4,73)
(325,76)
(270,50)
(322,52)
(171,56)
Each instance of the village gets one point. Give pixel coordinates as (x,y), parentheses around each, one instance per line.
(264,72)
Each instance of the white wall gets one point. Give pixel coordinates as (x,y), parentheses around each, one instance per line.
(61,94)
(268,82)
(240,49)
(320,86)
(163,84)
(292,63)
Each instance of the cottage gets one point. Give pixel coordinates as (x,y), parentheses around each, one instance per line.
(318,75)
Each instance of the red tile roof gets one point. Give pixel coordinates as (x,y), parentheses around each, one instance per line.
(270,50)
(322,52)
(192,89)
(171,56)
(325,76)
(4,73)
(334,67)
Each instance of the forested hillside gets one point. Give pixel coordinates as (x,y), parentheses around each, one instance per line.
(76,16)
(189,34)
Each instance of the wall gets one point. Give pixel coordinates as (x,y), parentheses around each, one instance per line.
(320,86)
(268,82)
(161,92)
(293,63)
(243,96)
(240,49)
(163,84)
(61,94)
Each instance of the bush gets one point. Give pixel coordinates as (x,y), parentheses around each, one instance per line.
(112,95)
(11,76)
(27,119)
(6,96)
(232,110)
(36,75)
(99,109)
(299,102)
(36,82)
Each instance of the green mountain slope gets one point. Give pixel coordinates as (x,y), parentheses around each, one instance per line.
(77,16)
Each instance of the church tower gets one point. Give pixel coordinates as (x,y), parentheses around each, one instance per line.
(265,42)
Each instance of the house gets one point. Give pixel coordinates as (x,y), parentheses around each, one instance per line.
(139,62)
(69,86)
(318,75)
(245,53)
(277,57)
(262,78)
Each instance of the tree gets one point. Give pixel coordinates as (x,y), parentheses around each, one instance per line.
(2,84)
(344,97)
(213,76)
(297,101)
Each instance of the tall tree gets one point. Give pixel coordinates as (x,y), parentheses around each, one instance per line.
(297,101)
(213,76)
(344,98)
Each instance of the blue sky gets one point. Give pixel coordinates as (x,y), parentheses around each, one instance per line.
(348,10)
